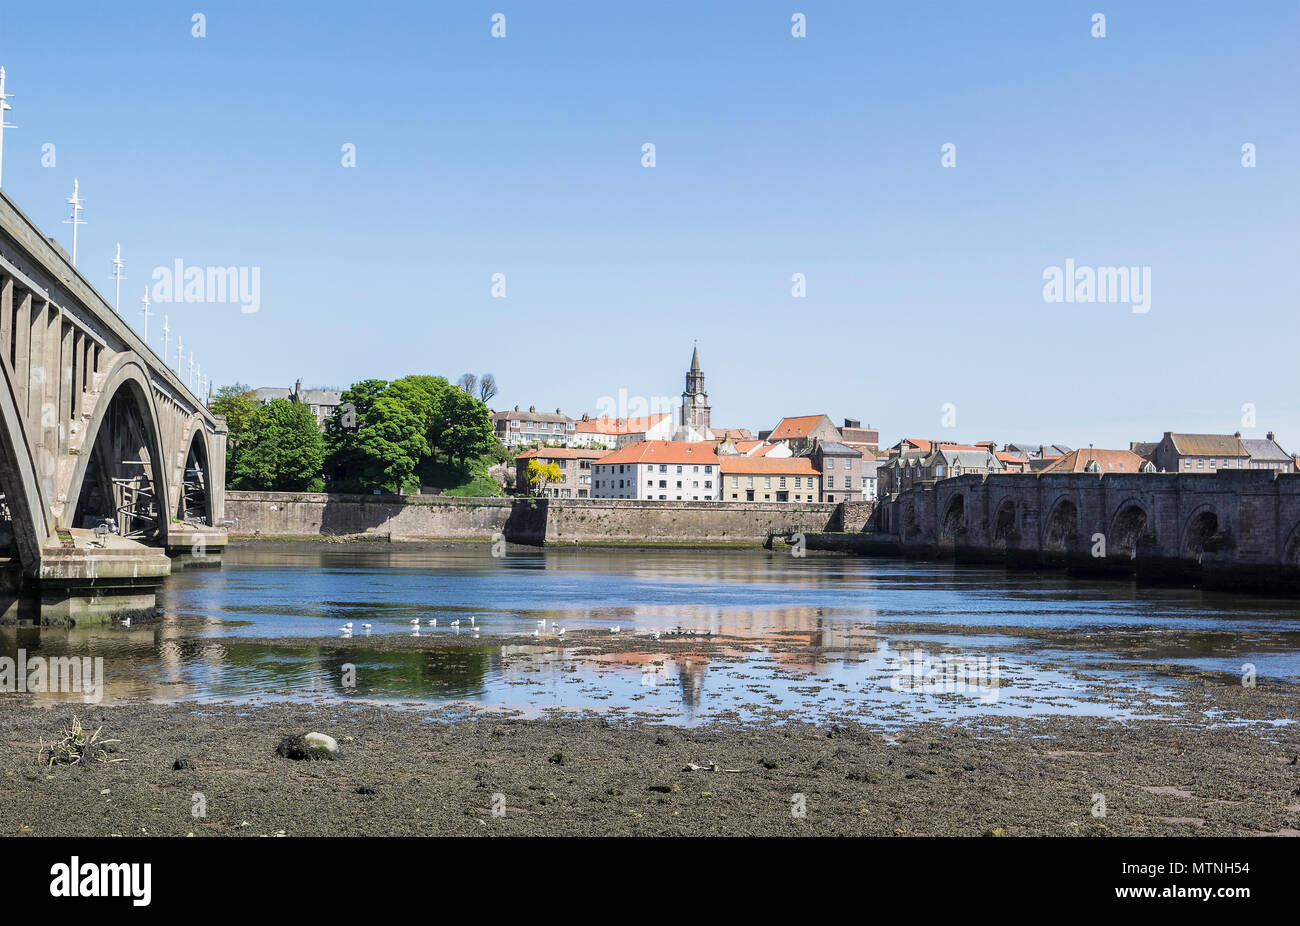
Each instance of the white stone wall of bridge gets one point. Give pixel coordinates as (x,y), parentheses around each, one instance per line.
(64,354)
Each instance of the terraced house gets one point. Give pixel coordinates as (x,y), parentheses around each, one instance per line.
(660,469)
(519,429)
(575,470)
(769,479)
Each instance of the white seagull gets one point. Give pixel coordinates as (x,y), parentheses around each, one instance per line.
(415,622)
(433,622)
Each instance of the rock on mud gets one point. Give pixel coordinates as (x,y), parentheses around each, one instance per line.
(308,746)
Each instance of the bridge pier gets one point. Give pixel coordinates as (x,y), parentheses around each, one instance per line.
(191,546)
(91,577)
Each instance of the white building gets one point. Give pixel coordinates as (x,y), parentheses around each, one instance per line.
(660,470)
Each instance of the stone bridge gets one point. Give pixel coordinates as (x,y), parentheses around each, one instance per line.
(1230,529)
(107,460)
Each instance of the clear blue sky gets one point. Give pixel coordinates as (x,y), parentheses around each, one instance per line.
(775,156)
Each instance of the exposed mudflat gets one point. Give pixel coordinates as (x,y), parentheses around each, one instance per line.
(411,772)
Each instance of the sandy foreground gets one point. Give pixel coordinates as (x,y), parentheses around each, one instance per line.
(444,772)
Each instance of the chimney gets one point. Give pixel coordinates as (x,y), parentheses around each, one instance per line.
(516,408)
(1269,435)
(1237,435)
(532,409)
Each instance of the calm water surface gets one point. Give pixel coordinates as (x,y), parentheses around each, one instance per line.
(819,636)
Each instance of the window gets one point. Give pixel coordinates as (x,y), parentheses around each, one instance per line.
(830,462)
(708,468)
(782,484)
(782,496)
(735,482)
(767,482)
(708,483)
(830,482)
(679,469)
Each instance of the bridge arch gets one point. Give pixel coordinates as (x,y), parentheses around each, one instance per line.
(1130,523)
(1291,549)
(1201,525)
(19,484)
(128,449)
(954,517)
(192,489)
(1061,527)
(1004,529)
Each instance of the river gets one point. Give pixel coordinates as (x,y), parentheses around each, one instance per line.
(741,634)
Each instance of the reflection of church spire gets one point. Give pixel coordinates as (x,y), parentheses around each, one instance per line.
(690,675)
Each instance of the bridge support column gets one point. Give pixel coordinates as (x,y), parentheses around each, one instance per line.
(193,546)
(82,582)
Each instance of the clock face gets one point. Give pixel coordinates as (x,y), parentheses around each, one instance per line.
(699,400)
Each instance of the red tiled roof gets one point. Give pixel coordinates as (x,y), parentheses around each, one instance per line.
(662,451)
(798,427)
(769,466)
(1110,461)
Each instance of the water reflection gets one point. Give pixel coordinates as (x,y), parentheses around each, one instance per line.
(739,633)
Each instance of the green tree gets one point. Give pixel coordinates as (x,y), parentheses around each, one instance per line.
(281,450)
(393,440)
(237,403)
(462,427)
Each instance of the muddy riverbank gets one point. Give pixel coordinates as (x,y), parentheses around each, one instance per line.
(417,771)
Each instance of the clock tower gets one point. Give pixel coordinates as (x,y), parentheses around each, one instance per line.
(695,401)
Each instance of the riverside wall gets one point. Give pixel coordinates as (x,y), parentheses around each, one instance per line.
(529,521)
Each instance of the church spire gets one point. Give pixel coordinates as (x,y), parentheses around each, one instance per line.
(695,359)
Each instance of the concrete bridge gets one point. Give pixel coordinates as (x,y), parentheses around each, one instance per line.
(1230,529)
(107,461)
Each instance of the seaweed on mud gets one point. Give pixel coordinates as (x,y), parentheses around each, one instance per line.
(76,745)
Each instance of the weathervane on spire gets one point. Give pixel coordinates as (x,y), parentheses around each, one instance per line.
(76,202)
(118,264)
(4,108)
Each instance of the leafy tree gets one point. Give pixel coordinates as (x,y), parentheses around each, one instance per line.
(282,450)
(462,427)
(394,438)
(237,403)
(540,475)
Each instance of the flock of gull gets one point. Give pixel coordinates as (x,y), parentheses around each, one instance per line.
(432,624)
